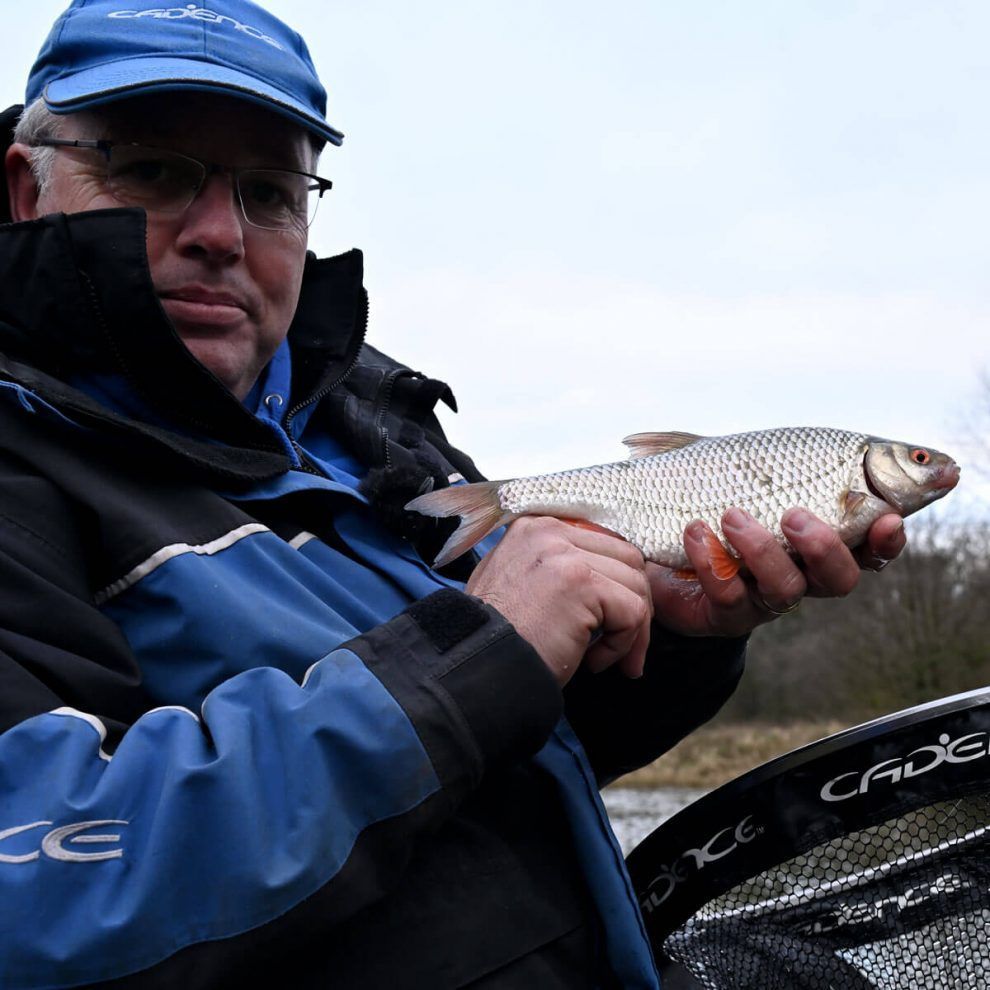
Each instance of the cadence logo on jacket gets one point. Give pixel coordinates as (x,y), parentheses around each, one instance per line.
(974,746)
(53,843)
(195,13)
(717,847)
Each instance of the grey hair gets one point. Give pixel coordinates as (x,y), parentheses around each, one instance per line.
(37,122)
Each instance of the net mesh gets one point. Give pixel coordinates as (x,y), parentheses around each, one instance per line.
(899,906)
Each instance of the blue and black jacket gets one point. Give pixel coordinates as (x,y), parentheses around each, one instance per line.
(246,734)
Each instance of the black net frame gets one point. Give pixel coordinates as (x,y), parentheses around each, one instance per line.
(861,861)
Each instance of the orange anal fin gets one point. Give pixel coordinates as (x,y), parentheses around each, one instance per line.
(686,574)
(724,565)
(593,527)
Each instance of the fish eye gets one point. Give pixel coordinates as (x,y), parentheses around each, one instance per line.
(920,456)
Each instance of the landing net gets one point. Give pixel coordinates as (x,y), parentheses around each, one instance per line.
(860,862)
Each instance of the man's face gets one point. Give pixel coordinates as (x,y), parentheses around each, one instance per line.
(230,289)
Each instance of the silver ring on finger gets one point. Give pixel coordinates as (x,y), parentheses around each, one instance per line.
(774,610)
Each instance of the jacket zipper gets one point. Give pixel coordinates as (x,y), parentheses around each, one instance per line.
(384,401)
(343,375)
(318,396)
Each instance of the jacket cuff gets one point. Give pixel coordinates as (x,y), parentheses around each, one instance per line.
(478,694)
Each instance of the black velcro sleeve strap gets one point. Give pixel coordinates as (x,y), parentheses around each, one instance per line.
(506,684)
(479,701)
(447,617)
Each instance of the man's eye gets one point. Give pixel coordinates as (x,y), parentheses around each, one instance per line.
(265,193)
(273,193)
(145,170)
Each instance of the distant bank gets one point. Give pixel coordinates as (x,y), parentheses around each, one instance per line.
(714,755)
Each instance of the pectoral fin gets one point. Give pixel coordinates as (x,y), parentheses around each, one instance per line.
(851,503)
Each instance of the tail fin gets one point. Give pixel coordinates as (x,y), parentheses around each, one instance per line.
(477,505)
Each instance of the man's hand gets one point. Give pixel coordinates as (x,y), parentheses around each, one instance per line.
(775,581)
(561,586)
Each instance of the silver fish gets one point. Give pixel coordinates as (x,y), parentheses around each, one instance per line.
(670,479)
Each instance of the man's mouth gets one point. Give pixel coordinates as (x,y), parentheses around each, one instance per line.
(199,306)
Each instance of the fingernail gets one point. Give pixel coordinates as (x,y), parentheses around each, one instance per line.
(798,520)
(735,519)
(696,531)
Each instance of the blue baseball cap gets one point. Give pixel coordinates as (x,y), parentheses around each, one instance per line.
(100,51)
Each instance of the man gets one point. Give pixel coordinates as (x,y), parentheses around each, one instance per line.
(247,733)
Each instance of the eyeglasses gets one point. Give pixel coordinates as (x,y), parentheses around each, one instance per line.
(167,182)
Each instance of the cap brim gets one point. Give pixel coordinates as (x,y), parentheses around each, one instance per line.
(135,76)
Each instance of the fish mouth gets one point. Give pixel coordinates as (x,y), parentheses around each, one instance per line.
(947,477)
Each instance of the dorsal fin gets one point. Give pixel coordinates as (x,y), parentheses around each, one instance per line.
(647,444)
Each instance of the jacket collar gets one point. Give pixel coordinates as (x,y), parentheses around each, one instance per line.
(78,299)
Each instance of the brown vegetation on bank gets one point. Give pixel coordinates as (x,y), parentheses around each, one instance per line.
(915,633)
(716,754)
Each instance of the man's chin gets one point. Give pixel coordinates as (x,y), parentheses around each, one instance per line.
(226,361)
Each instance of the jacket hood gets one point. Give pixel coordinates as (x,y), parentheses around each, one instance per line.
(78,299)
(8,121)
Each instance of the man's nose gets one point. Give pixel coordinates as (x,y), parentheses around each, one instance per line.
(212,224)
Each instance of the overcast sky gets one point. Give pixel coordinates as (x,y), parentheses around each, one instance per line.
(711,217)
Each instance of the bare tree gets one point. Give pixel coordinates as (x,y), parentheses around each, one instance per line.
(919,631)
(975,428)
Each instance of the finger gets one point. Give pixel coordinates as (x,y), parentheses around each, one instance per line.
(632,578)
(575,533)
(779,581)
(633,663)
(678,604)
(830,568)
(884,541)
(727,594)
(595,539)
(622,650)
(624,622)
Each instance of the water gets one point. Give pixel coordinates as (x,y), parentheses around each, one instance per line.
(635,811)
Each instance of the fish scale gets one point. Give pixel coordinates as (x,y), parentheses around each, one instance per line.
(650,500)
(846,479)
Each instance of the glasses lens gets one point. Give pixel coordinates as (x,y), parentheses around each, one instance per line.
(278,200)
(155,179)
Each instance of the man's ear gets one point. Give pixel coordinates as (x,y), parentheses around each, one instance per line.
(21,185)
